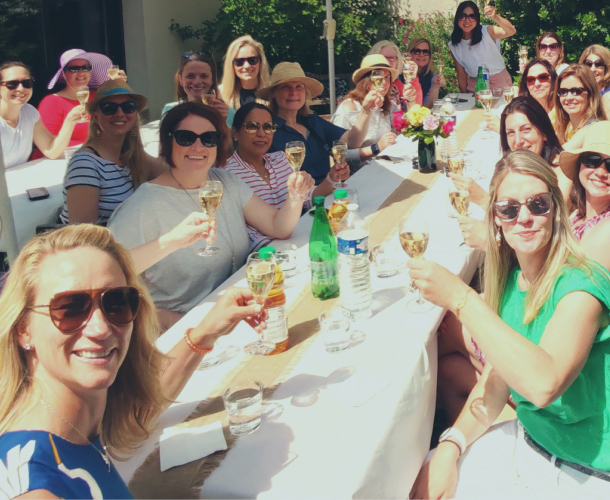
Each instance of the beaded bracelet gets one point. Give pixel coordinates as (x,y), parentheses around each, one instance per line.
(190,343)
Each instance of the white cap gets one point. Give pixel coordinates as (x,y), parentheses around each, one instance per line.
(353,206)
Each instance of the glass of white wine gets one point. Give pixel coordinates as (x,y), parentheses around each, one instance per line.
(113,71)
(523,55)
(295,152)
(340,154)
(486,97)
(440,67)
(210,196)
(460,201)
(208,97)
(414,235)
(260,273)
(455,163)
(508,94)
(82,94)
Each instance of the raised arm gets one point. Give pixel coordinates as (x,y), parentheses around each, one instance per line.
(504,27)
(54,146)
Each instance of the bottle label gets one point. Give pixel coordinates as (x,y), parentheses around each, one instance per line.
(353,247)
(277,330)
(323,273)
(449,118)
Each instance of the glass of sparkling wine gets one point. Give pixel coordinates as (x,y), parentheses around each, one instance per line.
(208,97)
(260,273)
(82,94)
(455,163)
(414,235)
(210,196)
(508,94)
(440,67)
(523,55)
(340,154)
(486,97)
(113,71)
(295,152)
(460,201)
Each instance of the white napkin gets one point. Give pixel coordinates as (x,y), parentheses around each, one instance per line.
(358,389)
(180,445)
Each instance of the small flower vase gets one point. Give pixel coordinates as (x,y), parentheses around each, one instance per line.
(426,154)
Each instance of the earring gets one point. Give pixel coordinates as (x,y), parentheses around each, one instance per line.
(27,347)
(499,237)
(98,131)
(134,132)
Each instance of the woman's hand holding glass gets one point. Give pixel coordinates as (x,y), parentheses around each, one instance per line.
(478,195)
(195,227)
(339,172)
(436,284)
(474,232)
(492,122)
(372,100)
(409,93)
(77,114)
(439,81)
(299,184)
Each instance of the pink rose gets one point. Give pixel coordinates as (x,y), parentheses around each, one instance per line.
(447,127)
(430,123)
(398,121)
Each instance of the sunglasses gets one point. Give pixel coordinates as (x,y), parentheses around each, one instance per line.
(594,160)
(110,108)
(28,83)
(391,58)
(598,64)
(252,61)
(72,310)
(467,17)
(187,138)
(76,69)
(508,210)
(542,78)
(417,52)
(253,127)
(575,91)
(551,46)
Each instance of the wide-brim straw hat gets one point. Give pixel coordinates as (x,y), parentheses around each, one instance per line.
(286,72)
(372,62)
(112,88)
(100,64)
(597,140)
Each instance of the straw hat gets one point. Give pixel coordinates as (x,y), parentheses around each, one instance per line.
(371,62)
(100,64)
(111,88)
(286,72)
(596,140)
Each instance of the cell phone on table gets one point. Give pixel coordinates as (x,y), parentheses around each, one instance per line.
(37,193)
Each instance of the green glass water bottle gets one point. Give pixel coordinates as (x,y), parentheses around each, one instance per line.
(481,85)
(323,255)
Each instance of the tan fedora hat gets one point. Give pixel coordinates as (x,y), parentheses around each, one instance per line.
(371,62)
(596,140)
(111,88)
(286,72)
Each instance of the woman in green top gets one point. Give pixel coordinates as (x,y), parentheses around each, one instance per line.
(543,326)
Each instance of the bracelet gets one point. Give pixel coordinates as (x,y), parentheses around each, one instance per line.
(190,343)
(455,443)
(330,180)
(462,303)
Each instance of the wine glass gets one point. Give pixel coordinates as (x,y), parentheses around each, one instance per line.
(414,235)
(460,201)
(486,97)
(82,94)
(508,94)
(208,97)
(210,196)
(455,163)
(113,71)
(340,154)
(295,152)
(440,67)
(523,55)
(260,274)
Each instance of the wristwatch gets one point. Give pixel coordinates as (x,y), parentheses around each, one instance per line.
(456,437)
(375,149)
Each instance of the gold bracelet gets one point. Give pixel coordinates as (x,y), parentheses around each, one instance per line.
(189,342)
(462,303)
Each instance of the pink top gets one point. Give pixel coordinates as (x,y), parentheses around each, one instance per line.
(583,228)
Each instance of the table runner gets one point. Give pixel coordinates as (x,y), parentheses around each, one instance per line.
(302,317)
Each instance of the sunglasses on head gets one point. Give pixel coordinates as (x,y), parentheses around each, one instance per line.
(110,108)
(467,17)
(551,46)
(575,91)
(598,64)
(417,52)
(28,83)
(72,310)
(193,52)
(253,127)
(594,160)
(508,210)
(75,69)
(187,138)
(252,61)
(542,78)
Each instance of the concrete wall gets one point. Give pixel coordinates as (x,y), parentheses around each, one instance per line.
(153,52)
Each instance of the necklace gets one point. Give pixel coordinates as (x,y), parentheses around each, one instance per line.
(103,454)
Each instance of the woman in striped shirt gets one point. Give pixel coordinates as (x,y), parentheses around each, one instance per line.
(265,173)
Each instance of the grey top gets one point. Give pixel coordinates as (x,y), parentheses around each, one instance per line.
(183,279)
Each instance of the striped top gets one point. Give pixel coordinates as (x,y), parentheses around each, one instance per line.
(114,182)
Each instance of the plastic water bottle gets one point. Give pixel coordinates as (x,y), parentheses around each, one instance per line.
(486,76)
(354,265)
(448,146)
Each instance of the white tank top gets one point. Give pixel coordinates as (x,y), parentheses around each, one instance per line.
(487,51)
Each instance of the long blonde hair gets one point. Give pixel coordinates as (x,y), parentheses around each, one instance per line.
(135,398)
(501,258)
(230,85)
(379,46)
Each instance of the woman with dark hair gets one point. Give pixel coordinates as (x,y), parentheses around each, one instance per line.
(538,81)
(597,59)
(473,44)
(431,83)
(550,48)
(197,75)
(267,174)
(195,142)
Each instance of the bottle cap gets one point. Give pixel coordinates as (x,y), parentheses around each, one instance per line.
(318,200)
(265,250)
(353,207)
(340,193)
(264,254)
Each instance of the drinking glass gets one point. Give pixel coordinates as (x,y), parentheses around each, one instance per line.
(414,235)
(455,98)
(384,260)
(260,273)
(523,55)
(508,94)
(340,154)
(335,329)
(82,94)
(295,152)
(455,163)
(460,201)
(208,97)
(113,71)
(243,401)
(286,257)
(210,196)
(497,93)
(440,67)
(486,98)
(437,107)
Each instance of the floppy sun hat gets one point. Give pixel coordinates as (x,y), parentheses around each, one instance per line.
(372,62)
(112,88)
(597,140)
(286,72)
(100,64)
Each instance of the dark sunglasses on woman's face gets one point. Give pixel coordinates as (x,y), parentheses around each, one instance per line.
(110,108)
(508,210)
(575,91)
(417,52)
(467,17)
(187,138)
(72,310)
(542,78)
(252,61)
(253,127)
(594,160)
(75,69)
(28,83)
(551,46)
(598,64)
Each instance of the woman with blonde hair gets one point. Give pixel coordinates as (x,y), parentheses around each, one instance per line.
(544,327)
(81,378)
(597,59)
(246,70)
(421,52)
